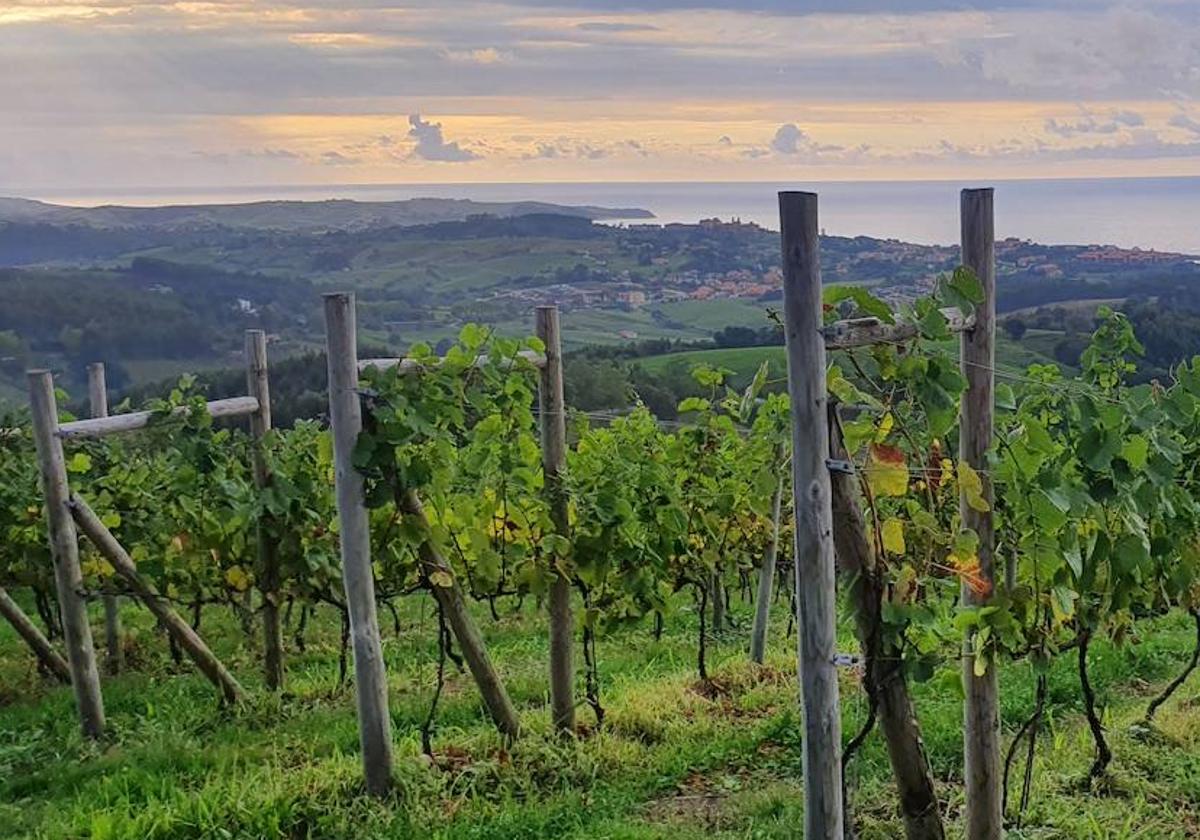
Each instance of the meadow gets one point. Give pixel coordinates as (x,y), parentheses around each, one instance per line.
(674,759)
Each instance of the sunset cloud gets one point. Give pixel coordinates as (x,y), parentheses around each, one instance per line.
(143,91)
(431,145)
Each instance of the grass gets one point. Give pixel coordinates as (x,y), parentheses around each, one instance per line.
(744,361)
(670,762)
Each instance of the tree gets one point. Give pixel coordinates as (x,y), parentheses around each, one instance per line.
(1015,328)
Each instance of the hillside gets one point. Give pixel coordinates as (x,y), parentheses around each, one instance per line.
(157,291)
(334,214)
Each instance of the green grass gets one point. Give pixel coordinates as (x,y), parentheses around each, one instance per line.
(743,361)
(684,321)
(670,762)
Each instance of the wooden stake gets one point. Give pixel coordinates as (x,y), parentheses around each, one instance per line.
(766,582)
(883,672)
(462,623)
(179,630)
(258,386)
(81,656)
(981,738)
(816,603)
(98,403)
(345,420)
(552,408)
(51,660)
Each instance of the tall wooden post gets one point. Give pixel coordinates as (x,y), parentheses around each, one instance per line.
(64,548)
(552,408)
(981,750)
(258,386)
(345,420)
(816,604)
(115,654)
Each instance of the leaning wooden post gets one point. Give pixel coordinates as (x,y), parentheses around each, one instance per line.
(552,409)
(345,420)
(64,548)
(176,627)
(766,582)
(49,658)
(258,386)
(981,735)
(98,404)
(816,601)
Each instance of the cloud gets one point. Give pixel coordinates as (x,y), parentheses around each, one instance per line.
(544,151)
(791,140)
(613,26)
(1088,124)
(1141,144)
(788,139)
(1115,48)
(1185,121)
(580,150)
(332,158)
(485,55)
(431,145)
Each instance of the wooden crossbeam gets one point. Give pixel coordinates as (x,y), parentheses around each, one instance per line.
(116,423)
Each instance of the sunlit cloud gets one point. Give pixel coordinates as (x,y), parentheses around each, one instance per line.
(296,90)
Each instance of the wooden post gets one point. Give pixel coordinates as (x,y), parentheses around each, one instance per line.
(345,420)
(981,734)
(258,386)
(766,582)
(883,674)
(50,659)
(98,403)
(816,601)
(64,548)
(179,630)
(552,409)
(462,624)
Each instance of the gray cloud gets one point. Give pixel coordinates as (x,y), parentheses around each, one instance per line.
(788,139)
(431,145)
(1088,124)
(579,150)
(607,26)
(1185,121)
(791,140)
(67,82)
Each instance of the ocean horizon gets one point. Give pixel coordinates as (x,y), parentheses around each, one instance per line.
(1159,213)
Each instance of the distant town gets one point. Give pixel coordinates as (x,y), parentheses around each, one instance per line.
(901,271)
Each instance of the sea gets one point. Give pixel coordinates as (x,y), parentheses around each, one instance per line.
(1158,213)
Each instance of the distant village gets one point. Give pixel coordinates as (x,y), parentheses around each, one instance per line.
(898,272)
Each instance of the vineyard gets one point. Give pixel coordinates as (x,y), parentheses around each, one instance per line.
(897,594)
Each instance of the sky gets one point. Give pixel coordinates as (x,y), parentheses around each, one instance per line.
(100,93)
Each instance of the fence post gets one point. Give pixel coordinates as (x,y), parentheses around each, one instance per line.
(345,420)
(816,605)
(552,409)
(64,548)
(981,734)
(98,404)
(258,386)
